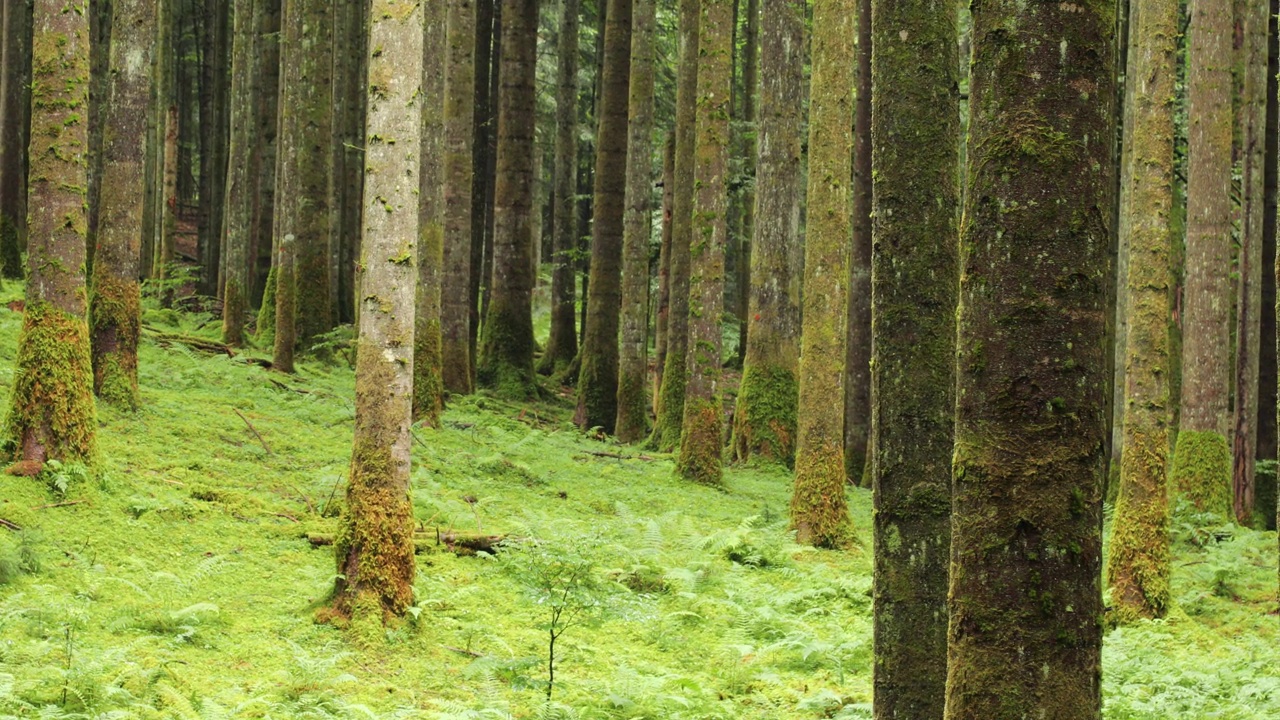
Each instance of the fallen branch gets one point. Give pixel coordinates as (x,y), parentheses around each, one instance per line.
(286,516)
(11,525)
(462,651)
(618,456)
(195,343)
(254,429)
(64,503)
(461,544)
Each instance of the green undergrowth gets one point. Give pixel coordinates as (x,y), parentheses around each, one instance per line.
(181,582)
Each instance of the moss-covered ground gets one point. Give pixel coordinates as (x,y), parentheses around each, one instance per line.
(181,583)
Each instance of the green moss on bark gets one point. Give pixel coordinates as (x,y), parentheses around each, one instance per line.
(266,322)
(700,459)
(114,319)
(764,424)
(819,508)
(1201,471)
(51,412)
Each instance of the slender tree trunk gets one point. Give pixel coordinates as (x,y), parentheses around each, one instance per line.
(1266,482)
(1138,571)
(262,250)
(375,555)
(562,345)
(669,425)
(241,178)
(428,388)
(99,76)
(51,408)
(459,124)
(15,101)
(765,419)
(857,403)
(488,37)
(506,347)
(633,369)
(215,101)
(750,86)
(166,109)
(1202,460)
(662,312)
(1025,633)
(114,309)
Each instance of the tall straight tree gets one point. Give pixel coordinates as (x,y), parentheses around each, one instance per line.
(1138,567)
(857,391)
(375,551)
(765,419)
(1025,633)
(747,193)
(1202,459)
(675,373)
(506,345)
(914,274)
(15,57)
(114,309)
(51,409)
(633,367)
(819,512)
(459,110)
(598,375)
(562,345)
(214,144)
(238,224)
(700,441)
(428,389)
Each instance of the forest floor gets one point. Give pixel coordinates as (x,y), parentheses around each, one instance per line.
(179,581)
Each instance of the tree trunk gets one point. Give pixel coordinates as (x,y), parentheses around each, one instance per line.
(215,102)
(459,124)
(99,12)
(562,345)
(1202,460)
(702,438)
(51,410)
(750,85)
(662,312)
(819,512)
(1025,631)
(262,253)
(633,369)
(668,427)
(241,178)
(857,398)
(765,419)
(1266,482)
(375,553)
(114,303)
(506,346)
(428,388)
(15,101)
(1138,571)
(488,39)
(598,376)
(914,272)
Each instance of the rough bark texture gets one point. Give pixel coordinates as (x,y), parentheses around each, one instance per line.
(1202,460)
(428,387)
(1138,567)
(633,365)
(668,427)
(484,156)
(562,345)
(14,114)
(214,142)
(765,418)
(262,248)
(702,437)
(662,312)
(459,110)
(747,199)
(238,206)
(598,374)
(914,273)
(114,303)
(857,390)
(506,344)
(1265,498)
(819,511)
(51,410)
(1033,376)
(375,547)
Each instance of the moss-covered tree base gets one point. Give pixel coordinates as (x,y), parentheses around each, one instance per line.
(598,391)
(1201,471)
(428,385)
(266,322)
(764,424)
(506,361)
(819,508)
(235,306)
(51,413)
(670,421)
(633,408)
(1138,571)
(114,320)
(700,459)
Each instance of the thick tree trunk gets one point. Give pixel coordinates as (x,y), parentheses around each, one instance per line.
(819,512)
(633,368)
(914,272)
(375,552)
(459,124)
(15,102)
(114,309)
(857,390)
(598,374)
(1202,460)
(1025,631)
(51,408)
(765,419)
(428,388)
(1138,571)
(506,345)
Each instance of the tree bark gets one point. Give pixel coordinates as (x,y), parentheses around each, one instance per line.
(241,178)
(662,312)
(428,387)
(459,122)
(750,86)
(262,249)
(1266,483)
(857,408)
(215,116)
(15,101)
(488,50)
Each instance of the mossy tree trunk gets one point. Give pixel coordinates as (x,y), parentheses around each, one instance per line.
(241,179)
(662,311)
(214,141)
(1138,567)
(51,411)
(114,309)
(914,276)
(747,190)
(459,109)
(15,57)
(598,373)
(669,425)
(857,391)
(562,345)
(1202,459)
(347,183)
(375,549)
(1033,374)
(262,249)
(702,438)
(506,344)
(765,418)
(819,512)
(632,422)
(428,388)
